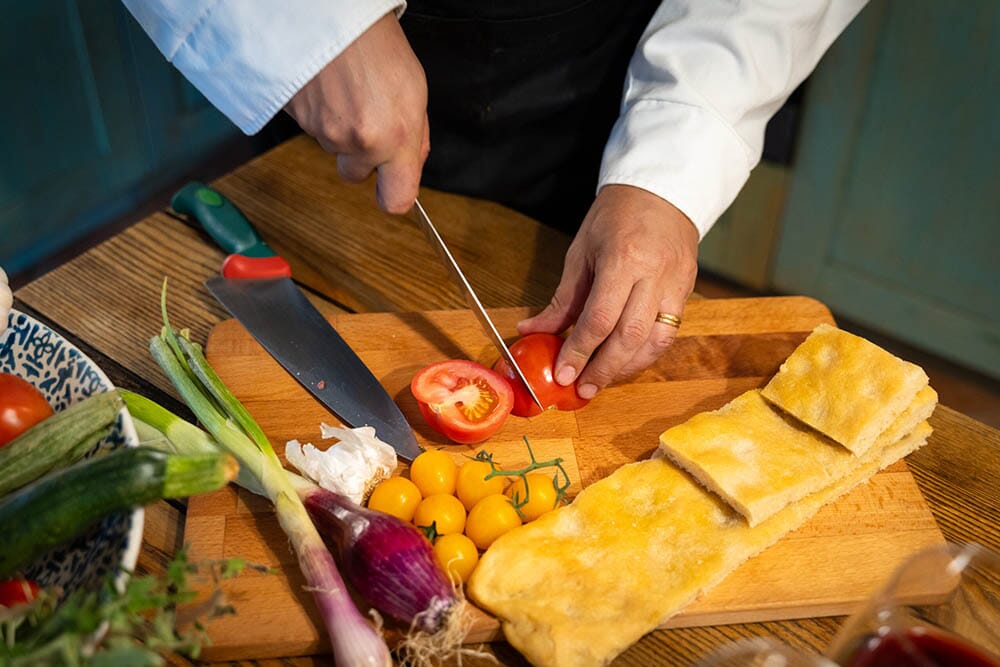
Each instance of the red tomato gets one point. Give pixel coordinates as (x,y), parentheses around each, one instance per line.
(17,591)
(464,401)
(536,355)
(21,407)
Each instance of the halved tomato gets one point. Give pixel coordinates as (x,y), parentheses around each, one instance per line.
(462,400)
(535,355)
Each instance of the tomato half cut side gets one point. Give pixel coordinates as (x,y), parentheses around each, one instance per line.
(535,355)
(21,407)
(462,400)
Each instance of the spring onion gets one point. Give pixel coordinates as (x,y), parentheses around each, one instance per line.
(386,560)
(354,640)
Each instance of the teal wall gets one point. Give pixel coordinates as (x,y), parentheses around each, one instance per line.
(93,122)
(893,212)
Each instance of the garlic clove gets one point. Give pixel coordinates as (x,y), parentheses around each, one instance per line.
(351,467)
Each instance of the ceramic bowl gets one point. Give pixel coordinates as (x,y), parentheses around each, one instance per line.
(64,375)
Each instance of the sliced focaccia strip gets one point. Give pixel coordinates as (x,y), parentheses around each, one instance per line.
(759,459)
(844,386)
(580,584)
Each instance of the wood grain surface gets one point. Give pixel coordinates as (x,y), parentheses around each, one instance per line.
(825,568)
(106,301)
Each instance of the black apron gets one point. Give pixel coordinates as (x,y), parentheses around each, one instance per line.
(522,96)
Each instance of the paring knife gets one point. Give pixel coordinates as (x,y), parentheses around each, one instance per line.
(470,297)
(257,289)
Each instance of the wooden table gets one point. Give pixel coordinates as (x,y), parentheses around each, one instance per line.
(355,259)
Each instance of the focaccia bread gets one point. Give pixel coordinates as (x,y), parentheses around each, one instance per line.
(758,459)
(844,386)
(582,583)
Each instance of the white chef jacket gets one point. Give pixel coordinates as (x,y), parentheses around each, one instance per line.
(705,78)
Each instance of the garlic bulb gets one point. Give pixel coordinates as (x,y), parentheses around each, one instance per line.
(6,300)
(351,467)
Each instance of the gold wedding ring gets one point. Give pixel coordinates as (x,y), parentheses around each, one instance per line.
(668,319)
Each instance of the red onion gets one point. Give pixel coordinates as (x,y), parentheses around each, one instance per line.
(388,561)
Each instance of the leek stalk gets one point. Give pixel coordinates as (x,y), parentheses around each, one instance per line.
(354,640)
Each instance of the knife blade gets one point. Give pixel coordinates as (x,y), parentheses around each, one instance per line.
(475,305)
(257,289)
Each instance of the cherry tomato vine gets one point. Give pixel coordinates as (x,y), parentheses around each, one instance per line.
(535,464)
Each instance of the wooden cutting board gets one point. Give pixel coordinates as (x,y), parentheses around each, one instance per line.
(724,348)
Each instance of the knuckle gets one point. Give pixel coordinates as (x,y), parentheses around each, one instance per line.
(633,333)
(689,270)
(597,323)
(364,137)
(660,343)
(329,131)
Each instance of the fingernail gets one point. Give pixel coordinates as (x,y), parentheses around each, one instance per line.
(587,391)
(566,375)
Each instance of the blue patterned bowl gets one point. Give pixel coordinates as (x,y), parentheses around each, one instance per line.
(64,375)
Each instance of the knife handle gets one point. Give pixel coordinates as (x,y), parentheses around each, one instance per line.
(250,256)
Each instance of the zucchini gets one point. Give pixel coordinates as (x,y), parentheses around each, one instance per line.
(57,441)
(61,506)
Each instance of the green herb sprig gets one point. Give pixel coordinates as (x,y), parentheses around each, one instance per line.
(141,620)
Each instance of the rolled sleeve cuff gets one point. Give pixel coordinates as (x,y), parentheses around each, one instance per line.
(249,60)
(682,153)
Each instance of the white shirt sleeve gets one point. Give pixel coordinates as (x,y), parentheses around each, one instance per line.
(705,78)
(249,57)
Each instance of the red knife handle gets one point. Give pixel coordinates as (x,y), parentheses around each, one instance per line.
(242,267)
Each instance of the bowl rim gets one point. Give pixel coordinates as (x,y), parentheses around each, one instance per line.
(133,545)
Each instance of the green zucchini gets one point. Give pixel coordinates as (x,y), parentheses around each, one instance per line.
(59,507)
(57,441)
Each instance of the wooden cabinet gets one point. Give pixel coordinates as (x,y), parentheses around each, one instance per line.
(94,121)
(892,215)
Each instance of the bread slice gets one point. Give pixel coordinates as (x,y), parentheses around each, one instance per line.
(758,459)
(844,386)
(582,583)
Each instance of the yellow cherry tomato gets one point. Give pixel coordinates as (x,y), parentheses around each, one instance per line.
(457,556)
(490,518)
(541,495)
(443,510)
(433,472)
(397,496)
(472,485)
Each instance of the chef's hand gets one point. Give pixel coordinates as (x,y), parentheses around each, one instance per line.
(635,256)
(368,107)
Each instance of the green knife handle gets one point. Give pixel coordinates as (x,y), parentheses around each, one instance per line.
(250,256)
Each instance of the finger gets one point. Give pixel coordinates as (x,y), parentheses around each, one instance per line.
(398,185)
(567,301)
(597,320)
(425,142)
(631,333)
(399,178)
(355,168)
(661,337)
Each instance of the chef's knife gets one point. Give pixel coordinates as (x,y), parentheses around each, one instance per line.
(470,297)
(257,289)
